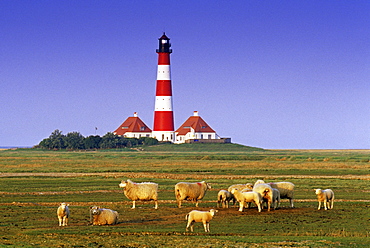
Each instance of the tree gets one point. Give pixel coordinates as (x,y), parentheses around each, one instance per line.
(57,140)
(147,141)
(74,140)
(92,142)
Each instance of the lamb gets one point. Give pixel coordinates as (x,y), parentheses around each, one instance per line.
(191,191)
(63,214)
(266,192)
(326,196)
(224,197)
(250,196)
(286,190)
(103,216)
(199,216)
(147,191)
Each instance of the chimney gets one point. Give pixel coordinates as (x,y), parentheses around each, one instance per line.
(196,113)
(135,114)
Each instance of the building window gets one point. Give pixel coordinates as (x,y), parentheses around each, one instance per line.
(209,136)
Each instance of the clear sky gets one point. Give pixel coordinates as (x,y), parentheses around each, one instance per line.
(271,74)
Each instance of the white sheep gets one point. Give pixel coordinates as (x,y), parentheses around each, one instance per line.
(63,214)
(326,196)
(266,192)
(191,191)
(286,190)
(103,216)
(146,191)
(224,197)
(199,216)
(247,197)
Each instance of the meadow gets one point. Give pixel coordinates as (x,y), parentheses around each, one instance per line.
(33,183)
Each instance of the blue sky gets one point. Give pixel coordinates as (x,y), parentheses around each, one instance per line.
(270,74)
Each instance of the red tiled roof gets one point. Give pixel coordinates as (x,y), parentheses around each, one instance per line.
(195,122)
(132,124)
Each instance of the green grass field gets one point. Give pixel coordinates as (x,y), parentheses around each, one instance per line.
(34,182)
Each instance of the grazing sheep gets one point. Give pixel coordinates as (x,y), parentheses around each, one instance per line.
(190,191)
(286,190)
(199,216)
(266,192)
(247,197)
(103,216)
(326,196)
(140,191)
(224,197)
(63,214)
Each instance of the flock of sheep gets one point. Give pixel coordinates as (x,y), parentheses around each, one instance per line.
(245,194)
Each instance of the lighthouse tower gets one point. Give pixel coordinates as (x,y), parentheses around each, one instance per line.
(163,128)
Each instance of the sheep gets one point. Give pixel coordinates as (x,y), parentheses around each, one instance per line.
(240,187)
(326,196)
(275,198)
(103,216)
(286,190)
(147,191)
(250,196)
(266,192)
(63,214)
(190,191)
(199,216)
(224,197)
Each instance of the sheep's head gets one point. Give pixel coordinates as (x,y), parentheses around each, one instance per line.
(233,190)
(63,205)
(318,191)
(95,210)
(122,184)
(213,211)
(208,186)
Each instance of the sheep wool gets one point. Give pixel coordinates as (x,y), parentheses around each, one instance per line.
(199,216)
(241,187)
(190,191)
(63,214)
(146,191)
(103,216)
(326,196)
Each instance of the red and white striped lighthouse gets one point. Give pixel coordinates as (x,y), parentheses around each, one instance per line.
(163,129)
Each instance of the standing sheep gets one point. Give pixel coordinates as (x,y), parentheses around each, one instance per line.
(275,198)
(240,187)
(199,216)
(286,190)
(140,191)
(190,191)
(326,196)
(224,197)
(246,197)
(63,214)
(103,216)
(266,192)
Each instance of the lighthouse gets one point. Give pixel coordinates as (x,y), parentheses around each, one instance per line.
(163,128)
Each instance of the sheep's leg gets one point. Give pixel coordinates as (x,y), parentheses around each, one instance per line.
(155,204)
(319,205)
(332,204)
(196,203)
(241,206)
(60,221)
(179,204)
(188,225)
(205,226)
(258,204)
(133,204)
(66,220)
(291,203)
(326,205)
(268,205)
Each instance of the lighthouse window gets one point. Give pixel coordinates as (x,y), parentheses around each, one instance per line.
(124,127)
(142,128)
(164,41)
